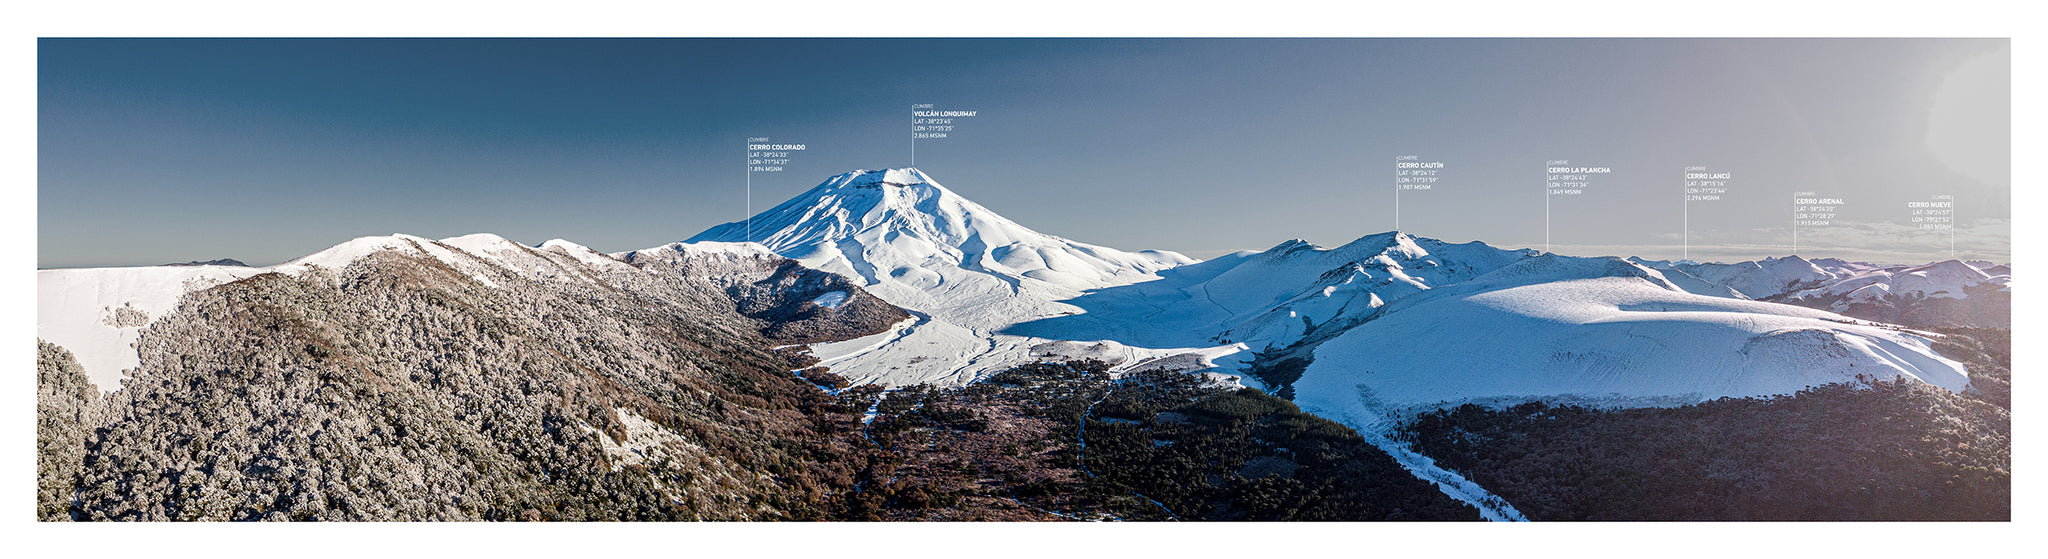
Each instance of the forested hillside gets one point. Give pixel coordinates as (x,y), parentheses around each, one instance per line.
(399,388)
(1886,450)
(1068,440)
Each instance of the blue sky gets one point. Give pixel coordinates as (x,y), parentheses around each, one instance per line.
(153,151)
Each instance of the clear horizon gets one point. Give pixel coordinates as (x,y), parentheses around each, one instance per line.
(153,151)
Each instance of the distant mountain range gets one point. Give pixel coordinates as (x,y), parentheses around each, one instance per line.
(218,262)
(1947,293)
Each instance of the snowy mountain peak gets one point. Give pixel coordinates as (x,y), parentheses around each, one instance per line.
(1291,246)
(902,201)
(488,246)
(339,256)
(1760,279)
(562,245)
(1797,269)
(1950,268)
(467,253)
(701,248)
(919,245)
(962,268)
(1274,298)
(1950,292)
(1552,268)
(1947,279)
(1382,250)
(883,178)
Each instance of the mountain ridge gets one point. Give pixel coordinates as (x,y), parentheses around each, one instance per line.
(99,313)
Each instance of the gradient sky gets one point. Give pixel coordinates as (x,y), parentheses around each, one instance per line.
(155,151)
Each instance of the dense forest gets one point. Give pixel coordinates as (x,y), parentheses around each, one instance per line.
(1070,440)
(67,410)
(1900,450)
(399,388)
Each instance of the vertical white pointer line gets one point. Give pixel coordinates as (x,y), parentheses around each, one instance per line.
(750,192)
(1546,207)
(1685,220)
(1795,224)
(1397,193)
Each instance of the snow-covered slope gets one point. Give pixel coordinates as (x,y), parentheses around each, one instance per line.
(1943,293)
(965,271)
(1948,279)
(1276,297)
(1601,330)
(1688,282)
(1758,279)
(702,259)
(97,313)
(917,244)
(1843,268)
(1392,322)
(1953,293)
(1439,313)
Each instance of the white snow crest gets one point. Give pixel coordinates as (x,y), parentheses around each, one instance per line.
(99,313)
(73,304)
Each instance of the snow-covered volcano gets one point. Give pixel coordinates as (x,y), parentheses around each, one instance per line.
(963,270)
(922,247)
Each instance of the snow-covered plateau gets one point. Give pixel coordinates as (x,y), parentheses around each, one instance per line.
(1598,331)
